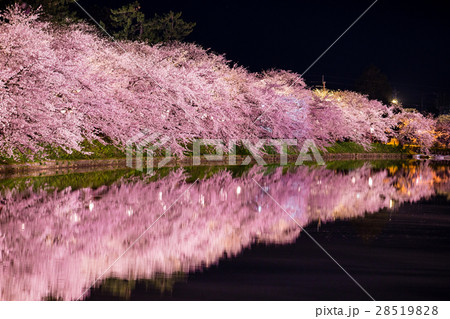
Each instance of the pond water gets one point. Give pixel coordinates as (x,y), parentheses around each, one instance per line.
(236,233)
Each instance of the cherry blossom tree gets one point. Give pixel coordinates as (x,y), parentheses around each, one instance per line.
(61,85)
(443,130)
(32,87)
(415,128)
(356,118)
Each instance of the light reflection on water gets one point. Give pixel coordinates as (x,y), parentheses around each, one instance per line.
(57,242)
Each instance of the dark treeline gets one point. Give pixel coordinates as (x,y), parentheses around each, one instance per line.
(128,22)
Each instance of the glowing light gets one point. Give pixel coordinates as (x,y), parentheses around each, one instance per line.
(91,206)
(160,196)
(23,226)
(238,190)
(75,218)
(223,195)
(370,182)
(353,180)
(130,211)
(394,101)
(391,203)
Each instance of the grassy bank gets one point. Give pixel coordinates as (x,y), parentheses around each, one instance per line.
(95,150)
(351,147)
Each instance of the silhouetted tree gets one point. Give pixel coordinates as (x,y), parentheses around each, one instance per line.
(129,23)
(125,23)
(169,27)
(375,84)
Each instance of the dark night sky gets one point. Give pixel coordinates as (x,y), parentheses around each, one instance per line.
(408,40)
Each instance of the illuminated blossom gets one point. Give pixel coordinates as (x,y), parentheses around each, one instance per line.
(60,86)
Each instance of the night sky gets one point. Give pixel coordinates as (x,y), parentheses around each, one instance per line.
(408,40)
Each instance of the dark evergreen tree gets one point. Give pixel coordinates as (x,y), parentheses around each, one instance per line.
(129,23)
(375,84)
(125,23)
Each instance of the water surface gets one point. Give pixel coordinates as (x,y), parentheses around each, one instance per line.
(234,233)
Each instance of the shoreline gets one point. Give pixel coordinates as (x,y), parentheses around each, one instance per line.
(120,163)
(56,167)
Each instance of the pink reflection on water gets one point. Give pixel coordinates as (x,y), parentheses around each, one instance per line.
(58,243)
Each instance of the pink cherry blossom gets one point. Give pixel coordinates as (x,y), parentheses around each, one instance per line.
(60,86)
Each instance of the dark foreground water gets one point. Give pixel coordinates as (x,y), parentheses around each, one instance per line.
(229,234)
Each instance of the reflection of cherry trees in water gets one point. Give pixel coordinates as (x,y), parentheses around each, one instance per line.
(57,243)
(442,181)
